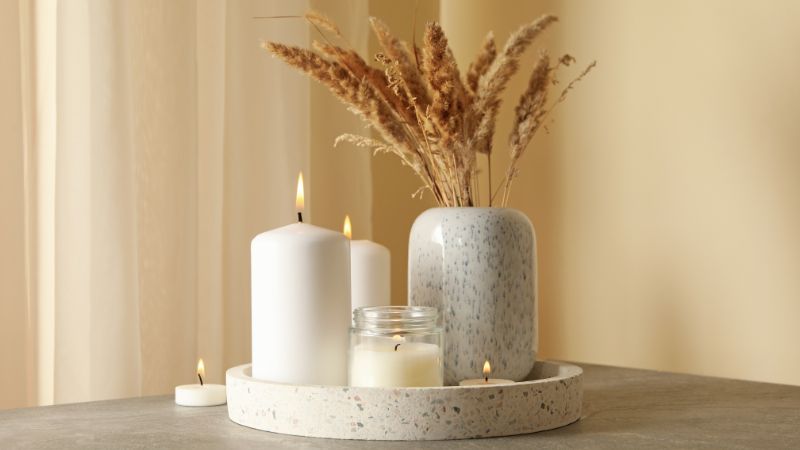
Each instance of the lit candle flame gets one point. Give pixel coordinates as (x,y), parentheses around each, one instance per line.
(399,339)
(201,368)
(300,199)
(487,370)
(348,229)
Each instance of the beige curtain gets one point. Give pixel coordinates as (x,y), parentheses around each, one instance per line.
(153,140)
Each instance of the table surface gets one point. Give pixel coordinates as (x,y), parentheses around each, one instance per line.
(623,408)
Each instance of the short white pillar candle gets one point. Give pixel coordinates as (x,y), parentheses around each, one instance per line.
(370,271)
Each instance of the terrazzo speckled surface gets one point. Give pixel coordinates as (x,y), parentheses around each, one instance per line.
(476,265)
(551,399)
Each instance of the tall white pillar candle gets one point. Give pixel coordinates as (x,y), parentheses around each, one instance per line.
(369,271)
(300,304)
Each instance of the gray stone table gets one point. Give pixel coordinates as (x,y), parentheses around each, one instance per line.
(623,408)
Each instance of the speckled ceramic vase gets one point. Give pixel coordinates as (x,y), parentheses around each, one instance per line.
(478,266)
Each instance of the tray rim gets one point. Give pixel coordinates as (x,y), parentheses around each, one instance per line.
(518,399)
(572,370)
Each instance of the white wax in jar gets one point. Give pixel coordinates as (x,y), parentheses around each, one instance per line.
(376,363)
(200,395)
(300,305)
(370,274)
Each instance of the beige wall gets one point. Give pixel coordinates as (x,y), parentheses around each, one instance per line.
(667,196)
(332,195)
(393,209)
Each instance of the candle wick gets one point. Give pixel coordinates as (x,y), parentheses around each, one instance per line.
(398,345)
(299,216)
(486,379)
(201,379)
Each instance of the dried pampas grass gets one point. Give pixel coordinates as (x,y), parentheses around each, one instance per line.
(429,115)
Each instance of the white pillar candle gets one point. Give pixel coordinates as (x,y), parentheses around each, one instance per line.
(300,303)
(370,275)
(487,369)
(383,362)
(203,394)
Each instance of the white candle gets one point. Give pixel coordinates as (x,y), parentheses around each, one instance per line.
(300,303)
(204,394)
(487,369)
(384,362)
(369,271)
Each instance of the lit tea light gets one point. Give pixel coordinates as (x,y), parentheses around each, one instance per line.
(487,370)
(203,394)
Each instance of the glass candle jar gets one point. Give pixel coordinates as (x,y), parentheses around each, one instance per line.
(395,346)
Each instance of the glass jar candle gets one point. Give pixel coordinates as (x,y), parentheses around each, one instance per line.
(395,346)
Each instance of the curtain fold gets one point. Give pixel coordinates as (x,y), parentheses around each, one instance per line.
(18,361)
(158,139)
(211,36)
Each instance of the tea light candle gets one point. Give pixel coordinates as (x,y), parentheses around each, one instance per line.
(392,362)
(202,394)
(369,271)
(487,370)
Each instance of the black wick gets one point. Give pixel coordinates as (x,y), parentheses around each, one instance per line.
(299,216)
(201,378)
(486,378)
(398,345)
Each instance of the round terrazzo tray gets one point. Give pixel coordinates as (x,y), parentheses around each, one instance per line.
(550,399)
